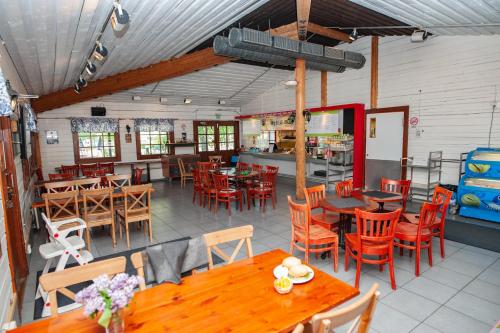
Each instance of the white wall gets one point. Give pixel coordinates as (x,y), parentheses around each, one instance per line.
(448,81)
(62,153)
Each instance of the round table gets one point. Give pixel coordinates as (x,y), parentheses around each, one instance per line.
(234,173)
(381,201)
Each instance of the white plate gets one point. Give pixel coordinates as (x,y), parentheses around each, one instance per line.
(280,271)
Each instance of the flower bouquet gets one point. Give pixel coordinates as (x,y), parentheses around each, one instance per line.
(108,297)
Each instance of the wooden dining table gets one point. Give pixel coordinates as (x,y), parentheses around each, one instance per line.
(239,297)
(381,197)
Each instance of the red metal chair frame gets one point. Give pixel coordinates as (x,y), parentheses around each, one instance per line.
(225,194)
(374,237)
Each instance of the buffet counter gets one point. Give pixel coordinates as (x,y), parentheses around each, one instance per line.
(286,162)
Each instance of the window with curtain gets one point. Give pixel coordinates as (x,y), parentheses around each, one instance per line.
(95,140)
(153,137)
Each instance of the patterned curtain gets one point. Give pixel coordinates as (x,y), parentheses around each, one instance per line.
(5,109)
(79,125)
(31,122)
(149,124)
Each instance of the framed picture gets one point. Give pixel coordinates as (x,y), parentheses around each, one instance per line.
(52,137)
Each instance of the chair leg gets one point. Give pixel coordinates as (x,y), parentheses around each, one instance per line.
(87,236)
(391,270)
(429,252)
(336,257)
(441,243)
(358,271)
(381,266)
(306,259)
(127,234)
(150,225)
(417,258)
(113,236)
(346,259)
(272,200)
(401,248)
(241,202)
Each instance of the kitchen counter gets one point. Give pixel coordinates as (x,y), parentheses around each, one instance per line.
(280,156)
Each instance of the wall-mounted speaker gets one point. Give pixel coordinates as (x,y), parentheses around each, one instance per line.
(98,111)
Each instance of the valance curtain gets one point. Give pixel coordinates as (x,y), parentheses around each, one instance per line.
(31,122)
(80,125)
(149,124)
(5,109)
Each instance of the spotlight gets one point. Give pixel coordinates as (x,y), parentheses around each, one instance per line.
(12,93)
(82,82)
(291,118)
(100,52)
(418,36)
(353,35)
(77,88)
(187,101)
(90,68)
(119,18)
(222,102)
(290,83)
(307,115)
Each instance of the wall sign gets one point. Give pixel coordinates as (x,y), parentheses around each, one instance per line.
(414,122)
(251,126)
(323,123)
(52,137)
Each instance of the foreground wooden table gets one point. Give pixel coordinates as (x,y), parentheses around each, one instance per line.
(235,298)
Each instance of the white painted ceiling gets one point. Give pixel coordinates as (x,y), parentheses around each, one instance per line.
(234,83)
(49,40)
(441,12)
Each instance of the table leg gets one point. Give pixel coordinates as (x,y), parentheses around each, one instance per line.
(132,172)
(37,219)
(381,207)
(148,169)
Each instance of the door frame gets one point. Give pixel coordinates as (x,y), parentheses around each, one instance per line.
(406,115)
(216,124)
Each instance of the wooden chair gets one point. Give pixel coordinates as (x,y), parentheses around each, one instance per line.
(419,234)
(396,186)
(275,170)
(257,168)
(215,159)
(109,168)
(137,177)
(184,174)
(272,168)
(61,176)
(344,188)
(59,281)
(315,238)
(360,313)
(374,237)
(442,197)
(204,165)
(226,194)
(118,181)
(242,166)
(197,186)
(88,167)
(62,205)
(298,329)
(87,184)
(62,186)
(314,195)
(244,234)
(71,169)
(137,208)
(262,190)
(98,210)
(209,190)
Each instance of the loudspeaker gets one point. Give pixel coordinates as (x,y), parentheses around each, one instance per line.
(98,111)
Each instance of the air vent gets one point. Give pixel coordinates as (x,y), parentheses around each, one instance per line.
(286,44)
(354,60)
(311,49)
(256,37)
(333,53)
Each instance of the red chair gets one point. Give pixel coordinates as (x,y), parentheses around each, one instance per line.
(419,234)
(374,237)
(209,191)
(396,186)
(197,185)
(442,197)
(204,165)
(257,168)
(226,194)
(71,169)
(241,166)
(272,168)
(109,168)
(88,168)
(137,176)
(344,188)
(60,176)
(39,174)
(314,196)
(262,190)
(314,238)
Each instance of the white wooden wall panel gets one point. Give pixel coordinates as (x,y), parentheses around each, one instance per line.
(450,82)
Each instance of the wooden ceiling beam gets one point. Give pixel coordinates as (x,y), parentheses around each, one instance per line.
(167,69)
(287,30)
(328,32)
(303,10)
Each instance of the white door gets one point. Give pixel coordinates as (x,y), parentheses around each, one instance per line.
(384,147)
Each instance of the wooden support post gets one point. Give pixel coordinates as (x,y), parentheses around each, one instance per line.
(324,88)
(374,73)
(300,150)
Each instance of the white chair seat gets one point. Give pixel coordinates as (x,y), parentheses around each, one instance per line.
(53,249)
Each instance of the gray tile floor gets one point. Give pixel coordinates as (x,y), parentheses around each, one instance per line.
(458,294)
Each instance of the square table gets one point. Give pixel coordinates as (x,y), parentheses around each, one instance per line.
(239,297)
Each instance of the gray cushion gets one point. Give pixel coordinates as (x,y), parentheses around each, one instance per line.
(166,261)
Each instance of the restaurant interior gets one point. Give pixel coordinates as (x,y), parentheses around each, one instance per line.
(250,166)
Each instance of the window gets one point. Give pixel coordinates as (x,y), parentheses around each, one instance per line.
(266,138)
(206,138)
(96,147)
(152,144)
(226,137)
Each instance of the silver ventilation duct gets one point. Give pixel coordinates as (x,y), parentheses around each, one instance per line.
(262,42)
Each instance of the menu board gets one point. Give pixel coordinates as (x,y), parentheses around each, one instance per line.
(323,123)
(251,126)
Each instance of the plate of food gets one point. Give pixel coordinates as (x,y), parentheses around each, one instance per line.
(293,268)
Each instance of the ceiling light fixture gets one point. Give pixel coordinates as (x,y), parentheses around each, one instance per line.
(77,88)
(187,100)
(90,68)
(353,35)
(100,52)
(290,83)
(82,82)
(418,36)
(119,18)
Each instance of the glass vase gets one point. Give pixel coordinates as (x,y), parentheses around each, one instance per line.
(117,323)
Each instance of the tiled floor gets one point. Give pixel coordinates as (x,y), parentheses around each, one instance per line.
(458,294)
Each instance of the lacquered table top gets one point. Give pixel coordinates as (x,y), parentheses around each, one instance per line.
(235,298)
(364,204)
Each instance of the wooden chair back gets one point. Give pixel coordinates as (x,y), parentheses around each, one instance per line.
(58,281)
(344,188)
(204,165)
(87,184)
(244,234)
(268,178)
(242,166)
(427,216)
(138,263)
(62,186)
(215,159)
(97,203)
(137,199)
(314,195)
(442,197)
(271,168)
(221,182)
(206,178)
(360,313)
(376,228)
(396,186)
(61,205)
(118,181)
(71,169)
(300,215)
(197,178)
(182,168)
(257,168)
(138,176)
(60,176)
(109,168)
(88,167)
